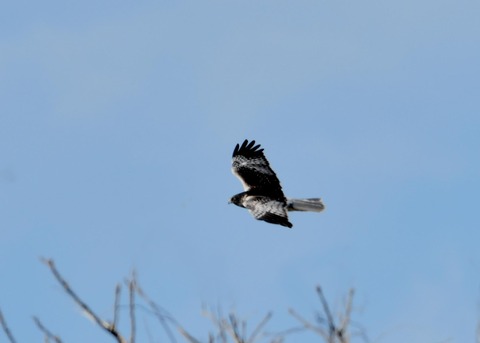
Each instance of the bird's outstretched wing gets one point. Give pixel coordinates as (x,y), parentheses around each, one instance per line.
(252,168)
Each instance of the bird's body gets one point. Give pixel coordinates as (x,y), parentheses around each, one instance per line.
(263,195)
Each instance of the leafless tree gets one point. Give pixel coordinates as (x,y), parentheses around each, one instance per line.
(228,328)
(329,328)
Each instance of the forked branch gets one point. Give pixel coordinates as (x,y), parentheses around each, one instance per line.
(48,334)
(326,326)
(109,327)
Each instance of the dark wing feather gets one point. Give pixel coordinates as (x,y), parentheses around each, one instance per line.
(252,168)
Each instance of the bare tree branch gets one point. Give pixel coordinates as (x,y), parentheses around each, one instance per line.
(345,319)
(131,291)
(116,304)
(5,328)
(110,328)
(307,325)
(259,328)
(161,314)
(326,309)
(229,328)
(219,323)
(232,329)
(187,336)
(327,328)
(279,337)
(48,334)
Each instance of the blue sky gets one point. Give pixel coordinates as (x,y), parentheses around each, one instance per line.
(117,123)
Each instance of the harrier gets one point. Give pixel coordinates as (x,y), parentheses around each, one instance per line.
(263,195)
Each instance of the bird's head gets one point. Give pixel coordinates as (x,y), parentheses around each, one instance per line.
(237,200)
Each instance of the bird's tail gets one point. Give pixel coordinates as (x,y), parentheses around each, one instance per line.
(310,204)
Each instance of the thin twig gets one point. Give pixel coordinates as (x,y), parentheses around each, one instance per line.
(48,334)
(116,304)
(233,328)
(346,318)
(244,330)
(187,336)
(279,336)
(326,309)
(309,325)
(131,290)
(159,312)
(100,322)
(222,325)
(359,332)
(219,323)
(259,328)
(6,329)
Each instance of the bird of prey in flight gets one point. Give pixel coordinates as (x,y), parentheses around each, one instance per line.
(263,195)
